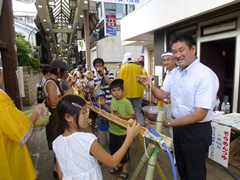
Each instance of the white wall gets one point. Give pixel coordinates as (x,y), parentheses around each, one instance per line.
(110,49)
(28,31)
(155,14)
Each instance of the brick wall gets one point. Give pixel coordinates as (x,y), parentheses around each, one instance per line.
(31,78)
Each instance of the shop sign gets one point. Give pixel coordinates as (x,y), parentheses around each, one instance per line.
(219,150)
(110,19)
(81,45)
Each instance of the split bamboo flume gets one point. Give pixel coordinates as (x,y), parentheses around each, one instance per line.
(124,124)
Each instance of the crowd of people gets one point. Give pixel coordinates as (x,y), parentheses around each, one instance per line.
(188,92)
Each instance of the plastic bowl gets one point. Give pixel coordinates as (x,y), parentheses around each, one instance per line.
(151,112)
(42,121)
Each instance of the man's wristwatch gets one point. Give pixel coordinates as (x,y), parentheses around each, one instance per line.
(169,124)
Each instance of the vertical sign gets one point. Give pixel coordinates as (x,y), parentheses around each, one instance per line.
(81,45)
(110,19)
(219,150)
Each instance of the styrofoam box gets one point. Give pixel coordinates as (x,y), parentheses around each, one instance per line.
(222,118)
(236,116)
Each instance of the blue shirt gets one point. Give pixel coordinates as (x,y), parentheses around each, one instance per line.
(102,125)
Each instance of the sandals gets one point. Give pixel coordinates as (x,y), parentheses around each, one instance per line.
(115,170)
(123,176)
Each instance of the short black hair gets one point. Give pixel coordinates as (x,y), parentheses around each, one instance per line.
(53,71)
(141,62)
(187,38)
(45,69)
(116,83)
(98,60)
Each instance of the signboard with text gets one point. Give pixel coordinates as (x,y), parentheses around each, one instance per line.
(81,45)
(219,150)
(110,19)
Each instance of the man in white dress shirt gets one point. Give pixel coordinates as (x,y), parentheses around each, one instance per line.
(193,89)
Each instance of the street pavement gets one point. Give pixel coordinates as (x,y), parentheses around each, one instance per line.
(43,161)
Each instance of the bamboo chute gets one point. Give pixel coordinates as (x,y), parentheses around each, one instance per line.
(124,124)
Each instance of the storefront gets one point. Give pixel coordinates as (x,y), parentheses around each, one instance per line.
(215,27)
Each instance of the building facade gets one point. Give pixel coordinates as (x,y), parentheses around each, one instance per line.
(110,48)
(215,25)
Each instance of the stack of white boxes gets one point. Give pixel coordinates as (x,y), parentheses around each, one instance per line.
(231,119)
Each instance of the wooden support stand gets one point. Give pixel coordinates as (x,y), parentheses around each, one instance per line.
(152,149)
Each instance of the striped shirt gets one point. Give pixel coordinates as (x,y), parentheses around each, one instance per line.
(97,80)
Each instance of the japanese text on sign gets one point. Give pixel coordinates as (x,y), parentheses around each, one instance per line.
(219,150)
(110,19)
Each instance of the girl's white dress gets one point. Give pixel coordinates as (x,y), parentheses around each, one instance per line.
(74,158)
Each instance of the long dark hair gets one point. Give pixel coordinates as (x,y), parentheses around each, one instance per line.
(68,104)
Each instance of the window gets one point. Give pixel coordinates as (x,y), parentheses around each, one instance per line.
(120,11)
(220,27)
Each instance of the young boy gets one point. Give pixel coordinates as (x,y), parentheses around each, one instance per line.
(102,123)
(122,108)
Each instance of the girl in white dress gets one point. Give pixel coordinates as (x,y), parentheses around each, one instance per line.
(77,152)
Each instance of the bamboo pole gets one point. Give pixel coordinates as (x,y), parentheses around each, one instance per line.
(160,172)
(151,165)
(140,139)
(158,168)
(124,124)
(143,160)
(159,121)
(152,162)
